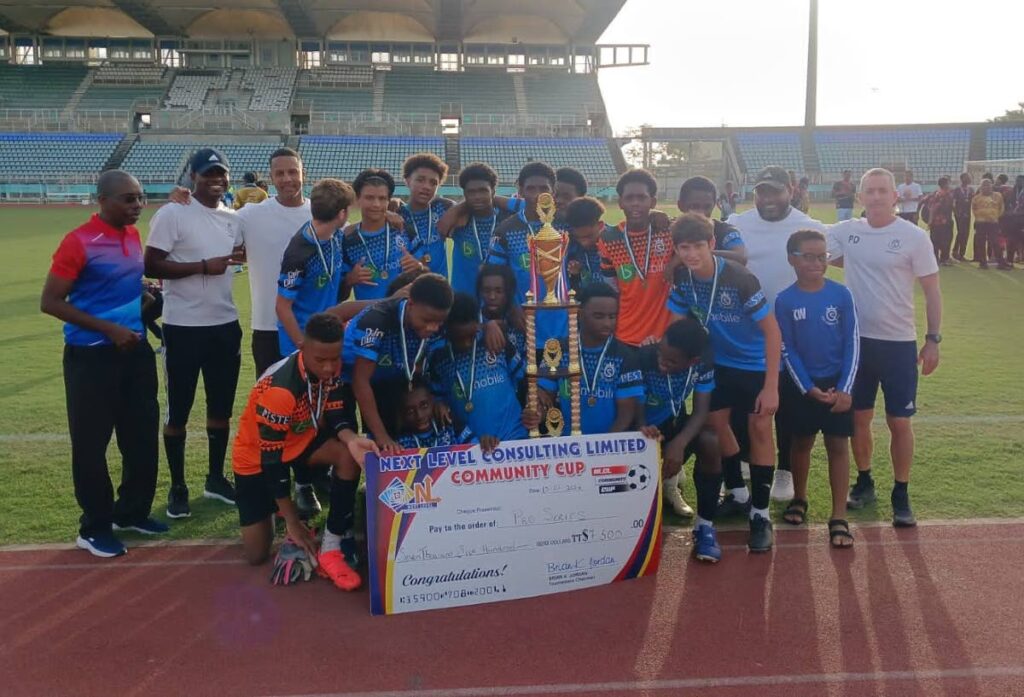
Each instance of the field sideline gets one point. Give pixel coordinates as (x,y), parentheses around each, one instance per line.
(970,430)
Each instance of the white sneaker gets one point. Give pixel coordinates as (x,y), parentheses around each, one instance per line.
(674,497)
(782,487)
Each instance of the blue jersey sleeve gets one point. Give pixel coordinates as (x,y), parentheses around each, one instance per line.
(851,342)
(732,240)
(705,380)
(790,356)
(498,251)
(679,297)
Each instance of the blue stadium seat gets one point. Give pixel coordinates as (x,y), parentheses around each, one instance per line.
(345,156)
(507,155)
(1004,143)
(51,156)
(165,161)
(930,152)
(760,150)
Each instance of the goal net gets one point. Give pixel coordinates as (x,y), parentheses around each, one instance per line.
(978,168)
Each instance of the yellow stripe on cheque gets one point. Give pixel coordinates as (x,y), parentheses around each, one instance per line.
(657,523)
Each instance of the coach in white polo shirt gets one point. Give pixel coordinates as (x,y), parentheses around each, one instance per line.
(765,230)
(910,194)
(883,255)
(191,247)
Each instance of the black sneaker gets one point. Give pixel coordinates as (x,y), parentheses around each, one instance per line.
(350,550)
(761,536)
(306,502)
(902,516)
(861,494)
(728,506)
(219,488)
(177,502)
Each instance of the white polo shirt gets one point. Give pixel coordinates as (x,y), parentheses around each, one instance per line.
(881,266)
(193,233)
(267,227)
(913,191)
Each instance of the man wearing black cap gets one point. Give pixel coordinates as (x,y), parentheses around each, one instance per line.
(191,247)
(250,191)
(765,230)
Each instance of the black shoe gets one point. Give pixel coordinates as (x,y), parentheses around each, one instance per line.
(728,506)
(902,516)
(861,494)
(350,550)
(177,502)
(306,502)
(761,536)
(219,488)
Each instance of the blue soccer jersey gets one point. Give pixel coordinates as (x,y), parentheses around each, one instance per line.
(731,316)
(375,334)
(584,266)
(436,438)
(727,236)
(820,337)
(422,226)
(664,394)
(471,244)
(379,250)
(487,381)
(311,277)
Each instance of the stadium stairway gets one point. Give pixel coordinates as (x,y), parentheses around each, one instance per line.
(120,152)
(452,154)
(522,109)
(76,96)
(977,150)
(812,165)
(617,157)
(378,91)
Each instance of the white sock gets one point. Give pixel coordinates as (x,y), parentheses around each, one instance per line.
(740,494)
(700,521)
(763,512)
(668,482)
(330,543)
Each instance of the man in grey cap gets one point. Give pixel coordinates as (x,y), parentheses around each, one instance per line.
(191,248)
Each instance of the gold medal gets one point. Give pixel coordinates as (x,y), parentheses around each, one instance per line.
(426,258)
(384,274)
(469,407)
(591,401)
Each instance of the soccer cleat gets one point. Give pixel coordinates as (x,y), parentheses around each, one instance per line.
(705,544)
(177,502)
(782,487)
(761,535)
(674,497)
(306,502)
(861,495)
(728,506)
(902,516)
(332,565)
(146,527)
(102,544)
(220,489)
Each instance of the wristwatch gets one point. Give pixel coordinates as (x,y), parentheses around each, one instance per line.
(934,338)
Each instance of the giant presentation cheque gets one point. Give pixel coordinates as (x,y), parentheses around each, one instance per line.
(454,526)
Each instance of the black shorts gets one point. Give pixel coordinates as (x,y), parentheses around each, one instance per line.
(736,389)
(670,428)
(800,415)
(893,365)
(213,351)
(265,350)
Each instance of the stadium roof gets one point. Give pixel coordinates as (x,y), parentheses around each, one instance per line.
(469,21)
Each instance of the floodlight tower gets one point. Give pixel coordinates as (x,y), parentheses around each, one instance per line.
(811,98)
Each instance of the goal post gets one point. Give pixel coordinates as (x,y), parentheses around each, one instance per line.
(977,168)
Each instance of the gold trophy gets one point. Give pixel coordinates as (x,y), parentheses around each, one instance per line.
(547,256)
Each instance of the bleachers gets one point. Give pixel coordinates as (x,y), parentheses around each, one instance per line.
(38,86)
(272,88)
(346,156)
(130,74)
(929,152)
(342,89)
(561,93)
(188,91)
(1004,143)
(159,160)
(50,156)
(337,76)
(119,97)
(760,150)
(508,155)
(423,91)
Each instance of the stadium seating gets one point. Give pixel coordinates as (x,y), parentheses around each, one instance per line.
(561,93)
(272,88)
(930,153)
(130,74)
(346,156)
(1004,143)
(336,89)
(51,156)
(423,91)
(188,91)
(508,155)
(38,87)
(165,161)
(760,150)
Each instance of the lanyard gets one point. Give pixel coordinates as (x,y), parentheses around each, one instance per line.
(479,245)
(430,224)
(415,437)
(592,383)
(676,408)
(466,393)
(387,247)
(642,273)
(711,301)
(410,370)
(328,268)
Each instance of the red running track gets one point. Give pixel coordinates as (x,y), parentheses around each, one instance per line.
(934,611)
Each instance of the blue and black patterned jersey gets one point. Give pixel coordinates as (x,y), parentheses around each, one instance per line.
(436,438)
(374,334)
(422,227)
(665,395)
(305,280)
(471,244)
(383,259)
(589,266)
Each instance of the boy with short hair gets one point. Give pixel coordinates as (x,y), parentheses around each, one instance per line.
(418,427)
(570,184)
(424,173)
(472,240)
(728,301)
(821,345)
(311,270)
(697,195)
(583,260)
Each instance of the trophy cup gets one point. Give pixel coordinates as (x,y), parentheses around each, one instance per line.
(547,256)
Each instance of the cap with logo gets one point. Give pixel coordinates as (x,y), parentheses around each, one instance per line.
(205,159)
(776,177)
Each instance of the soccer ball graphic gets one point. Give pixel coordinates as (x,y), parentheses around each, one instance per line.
(639,477)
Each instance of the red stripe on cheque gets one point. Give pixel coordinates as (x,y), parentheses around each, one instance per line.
(610,469)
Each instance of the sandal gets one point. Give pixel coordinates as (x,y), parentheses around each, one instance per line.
(838,531)
(796,512)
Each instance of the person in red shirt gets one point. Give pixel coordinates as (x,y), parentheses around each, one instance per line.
(940,221)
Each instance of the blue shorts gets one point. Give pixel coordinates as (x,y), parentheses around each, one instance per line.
(893,364)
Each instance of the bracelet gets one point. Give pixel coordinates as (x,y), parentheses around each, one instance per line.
(205,273)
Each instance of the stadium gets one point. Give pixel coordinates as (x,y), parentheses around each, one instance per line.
(139,85)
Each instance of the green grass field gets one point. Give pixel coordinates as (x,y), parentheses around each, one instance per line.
(970,444)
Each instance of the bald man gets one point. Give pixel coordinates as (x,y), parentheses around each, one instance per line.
(95,287)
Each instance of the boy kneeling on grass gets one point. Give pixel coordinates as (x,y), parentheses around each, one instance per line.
(820,345)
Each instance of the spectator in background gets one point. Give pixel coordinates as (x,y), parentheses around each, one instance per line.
(962,196)
(250,191)
(844,191)
(1007,234)
(262,183)
(728,200)
(987,206)
(940,221)
(801,195)
(909,195)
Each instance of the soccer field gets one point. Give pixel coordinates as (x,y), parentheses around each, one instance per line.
(970,427)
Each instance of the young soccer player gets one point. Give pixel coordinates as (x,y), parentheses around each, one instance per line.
(472,240)
(503,320)
(570,184)
(373,250)
(583,265)
(299,414)
(418,427)
(728,301)
(423,173)
(311,270)
(480,387)
(633,257)
(818,322)
(385,347)
(611,385)
(680,364)
(697,195)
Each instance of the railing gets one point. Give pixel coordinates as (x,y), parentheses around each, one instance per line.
(348,123)
(210,118)
(82,120)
